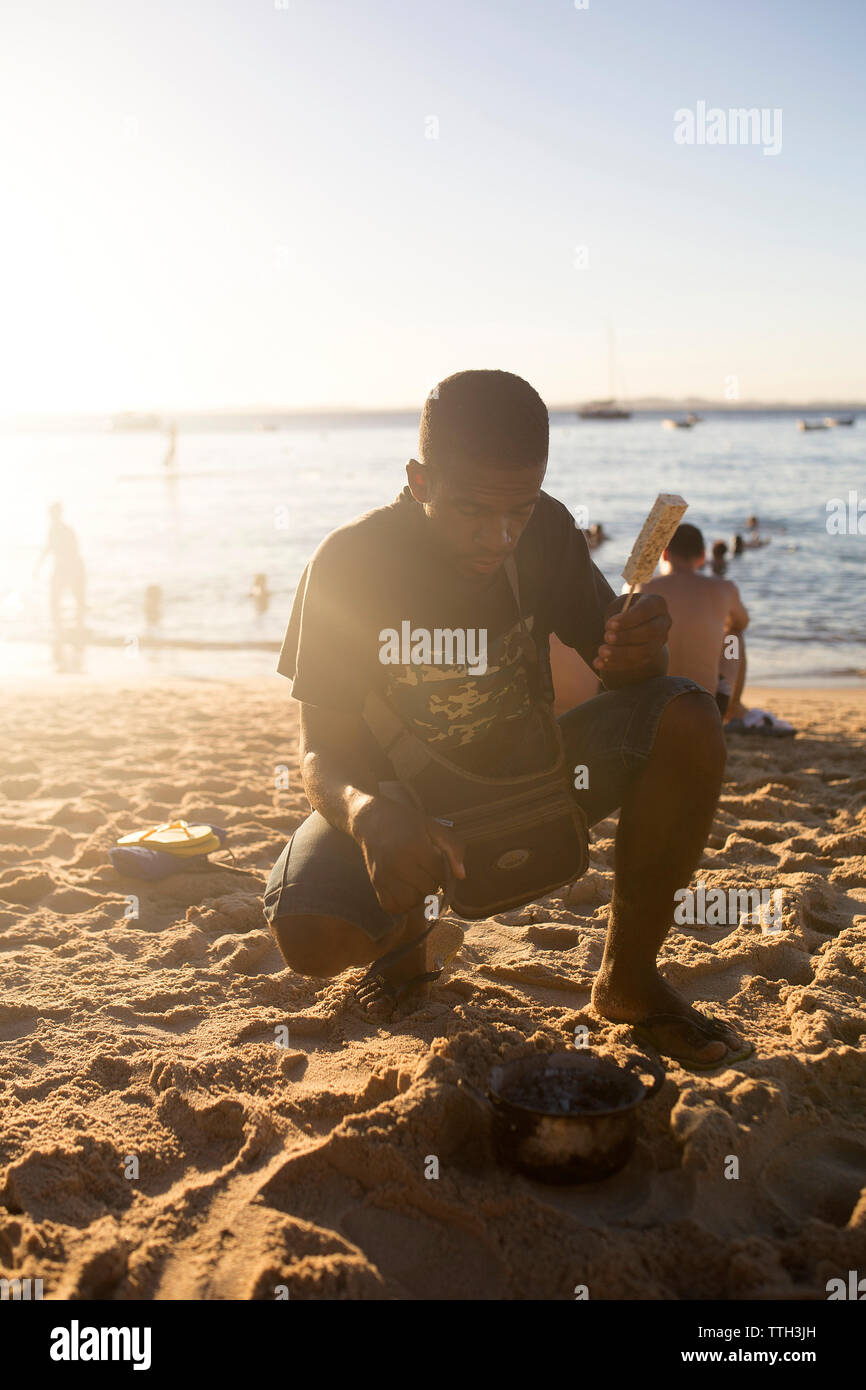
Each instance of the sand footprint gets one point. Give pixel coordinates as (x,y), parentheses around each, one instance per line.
(26,888)
(817,1176)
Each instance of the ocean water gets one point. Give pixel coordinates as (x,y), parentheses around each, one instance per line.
(241,503)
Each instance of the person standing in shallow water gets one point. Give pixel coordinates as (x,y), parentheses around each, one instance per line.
(351,883)
(67,577)
(68,573)
(260,594)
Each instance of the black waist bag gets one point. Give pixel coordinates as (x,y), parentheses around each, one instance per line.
(523,836)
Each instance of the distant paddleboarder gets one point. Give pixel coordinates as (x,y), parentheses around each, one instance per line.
(168,461)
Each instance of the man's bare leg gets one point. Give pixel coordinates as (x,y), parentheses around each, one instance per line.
(56,604)
(736,675)
(324,946)
(663,826)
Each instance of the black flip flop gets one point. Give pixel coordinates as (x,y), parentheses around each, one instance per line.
(713,1029)
(767,727)
(375,988)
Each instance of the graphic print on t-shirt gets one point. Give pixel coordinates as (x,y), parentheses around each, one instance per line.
(375,572)
(441,702)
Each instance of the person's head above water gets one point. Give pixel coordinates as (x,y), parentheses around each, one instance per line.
(685,550)
(720,550)
(482,456)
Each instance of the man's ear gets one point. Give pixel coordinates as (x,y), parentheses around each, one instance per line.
(418,477)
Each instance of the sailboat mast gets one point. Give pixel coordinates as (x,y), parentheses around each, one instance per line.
(609,409)
(611,360)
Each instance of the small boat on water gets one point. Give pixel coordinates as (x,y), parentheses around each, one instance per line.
(134,420)
(603,410)
(812,425)
(609,409)
(695,419)
(832,421)
(671,424)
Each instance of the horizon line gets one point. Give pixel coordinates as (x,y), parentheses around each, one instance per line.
(162,417)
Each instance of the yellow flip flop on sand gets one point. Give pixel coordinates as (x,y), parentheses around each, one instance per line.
(175,837)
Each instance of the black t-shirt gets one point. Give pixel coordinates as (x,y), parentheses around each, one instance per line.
(376,586)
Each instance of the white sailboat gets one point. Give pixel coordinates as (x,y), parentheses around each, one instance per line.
(609,409)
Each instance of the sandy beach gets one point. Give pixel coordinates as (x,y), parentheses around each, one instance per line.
(158,1142)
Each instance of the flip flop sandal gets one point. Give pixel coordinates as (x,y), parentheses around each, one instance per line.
(761,721)
(376,991)
(735,726)
(713,1029)
(176,837)
(375,988)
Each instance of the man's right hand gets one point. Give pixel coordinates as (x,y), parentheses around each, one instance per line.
(403,849)
(405,852)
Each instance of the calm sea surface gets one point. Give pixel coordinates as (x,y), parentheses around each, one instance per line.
(260,502)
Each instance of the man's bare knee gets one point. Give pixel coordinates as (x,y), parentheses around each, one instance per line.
(691,727)
(311,944)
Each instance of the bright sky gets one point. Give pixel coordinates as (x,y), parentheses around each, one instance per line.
(222,203)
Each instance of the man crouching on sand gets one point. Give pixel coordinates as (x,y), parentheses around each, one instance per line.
(351,883)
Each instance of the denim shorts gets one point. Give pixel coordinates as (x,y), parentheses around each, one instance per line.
(321,871)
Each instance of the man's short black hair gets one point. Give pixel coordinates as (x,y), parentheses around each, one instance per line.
(686,543)
(486,417)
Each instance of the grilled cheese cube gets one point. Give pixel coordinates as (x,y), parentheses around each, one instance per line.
(664,518)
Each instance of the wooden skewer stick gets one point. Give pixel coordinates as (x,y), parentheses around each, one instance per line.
(631,594)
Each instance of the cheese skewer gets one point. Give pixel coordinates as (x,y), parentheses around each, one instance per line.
(664,518)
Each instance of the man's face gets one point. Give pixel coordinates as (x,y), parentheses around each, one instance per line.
(476,513)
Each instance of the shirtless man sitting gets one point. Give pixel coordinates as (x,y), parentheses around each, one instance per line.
(705,609)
